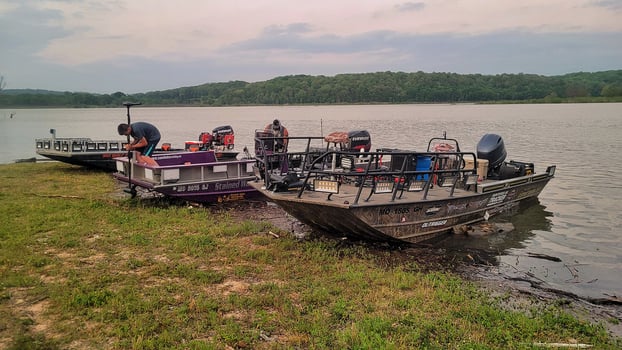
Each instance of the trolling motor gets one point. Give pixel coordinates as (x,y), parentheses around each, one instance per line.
(131,189)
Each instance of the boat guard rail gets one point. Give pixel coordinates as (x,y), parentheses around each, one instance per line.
(382,171)
(79,145)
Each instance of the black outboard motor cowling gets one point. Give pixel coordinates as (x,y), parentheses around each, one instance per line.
(224,136)
(491,147)
(359,139)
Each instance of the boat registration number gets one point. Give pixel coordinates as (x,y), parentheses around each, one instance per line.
(399,210)
(191,188)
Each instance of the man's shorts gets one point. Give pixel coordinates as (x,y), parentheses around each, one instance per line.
(148,150)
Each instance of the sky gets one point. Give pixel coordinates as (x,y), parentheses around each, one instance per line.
(134,46)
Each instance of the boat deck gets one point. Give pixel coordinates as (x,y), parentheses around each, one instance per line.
(353,195)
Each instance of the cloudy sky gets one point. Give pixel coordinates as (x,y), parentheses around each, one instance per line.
(105,46)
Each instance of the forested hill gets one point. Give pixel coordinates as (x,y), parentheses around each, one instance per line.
(381,87)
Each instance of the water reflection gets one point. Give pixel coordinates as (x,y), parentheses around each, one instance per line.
(512,230)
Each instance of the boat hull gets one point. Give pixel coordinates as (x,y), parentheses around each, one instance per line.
(402,220)
(205,192)
(97,160)
(97,154)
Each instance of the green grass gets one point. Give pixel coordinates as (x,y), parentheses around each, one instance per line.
(84,267)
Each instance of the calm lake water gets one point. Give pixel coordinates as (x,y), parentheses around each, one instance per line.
(577,217)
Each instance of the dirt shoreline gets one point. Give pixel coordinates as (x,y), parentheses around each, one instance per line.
(517,294)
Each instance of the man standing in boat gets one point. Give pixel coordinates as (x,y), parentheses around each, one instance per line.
(146,137)
(280,133)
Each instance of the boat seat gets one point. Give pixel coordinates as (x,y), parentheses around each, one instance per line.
(280,183)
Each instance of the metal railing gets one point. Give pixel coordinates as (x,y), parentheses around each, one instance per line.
(382,171)
(79,145)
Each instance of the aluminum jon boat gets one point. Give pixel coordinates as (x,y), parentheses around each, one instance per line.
(192,176)
(100,154)
(207,171)
(392,195)
(85,152)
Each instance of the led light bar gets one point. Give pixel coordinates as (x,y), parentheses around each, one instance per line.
(416,186)
(383,187)
(328,186)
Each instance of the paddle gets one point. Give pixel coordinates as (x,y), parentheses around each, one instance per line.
(130,189)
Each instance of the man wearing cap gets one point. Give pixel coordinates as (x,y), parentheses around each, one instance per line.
(280,133)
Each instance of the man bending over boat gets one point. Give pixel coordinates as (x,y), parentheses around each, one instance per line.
(280,133)
(146,138)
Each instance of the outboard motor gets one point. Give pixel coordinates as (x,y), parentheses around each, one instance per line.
(491,148)
(359,140)
(224,136)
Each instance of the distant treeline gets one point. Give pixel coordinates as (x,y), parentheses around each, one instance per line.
(364,88)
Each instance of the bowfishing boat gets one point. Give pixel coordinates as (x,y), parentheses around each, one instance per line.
(86,152)
(98,154)
(393,195)
(207,171)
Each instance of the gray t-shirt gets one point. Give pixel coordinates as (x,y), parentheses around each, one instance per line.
(146,130)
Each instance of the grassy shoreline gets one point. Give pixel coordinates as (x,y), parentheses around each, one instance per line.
(84,267)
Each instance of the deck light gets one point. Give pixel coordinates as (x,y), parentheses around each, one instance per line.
(383,187)
(416,186)
(327,186)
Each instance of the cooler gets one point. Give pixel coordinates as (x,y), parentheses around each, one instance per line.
(482,169)
(469,163)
